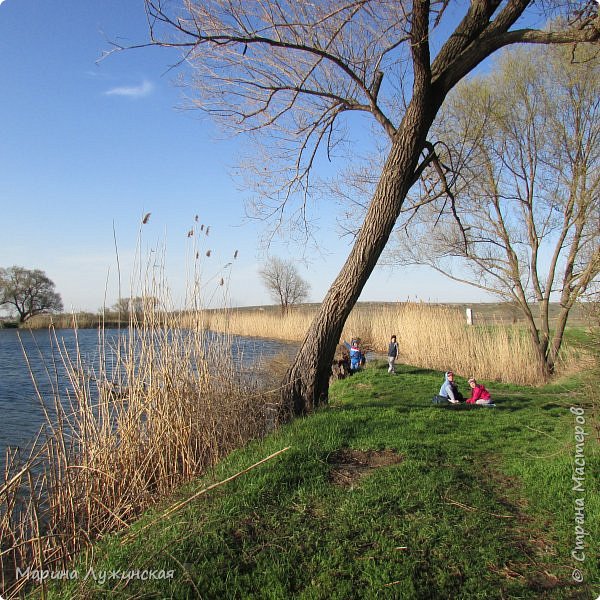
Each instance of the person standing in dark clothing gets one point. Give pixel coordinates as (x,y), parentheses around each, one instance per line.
(392,354)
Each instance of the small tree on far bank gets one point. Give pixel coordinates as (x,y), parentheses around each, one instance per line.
(284,283)
(135,305)
(28,292)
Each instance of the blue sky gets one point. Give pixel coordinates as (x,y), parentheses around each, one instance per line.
(87,148)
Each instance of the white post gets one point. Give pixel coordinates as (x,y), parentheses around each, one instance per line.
(469,316)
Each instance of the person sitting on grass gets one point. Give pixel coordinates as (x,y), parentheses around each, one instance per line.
(449,390)
(479,395)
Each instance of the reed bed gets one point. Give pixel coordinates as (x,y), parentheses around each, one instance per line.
(437,337)
(429,335)
(161,405)
(271,324)
(82,320)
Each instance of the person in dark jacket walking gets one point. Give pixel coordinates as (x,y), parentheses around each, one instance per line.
(392,354)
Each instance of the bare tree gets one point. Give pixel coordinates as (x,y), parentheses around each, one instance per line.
(292,70)
(136,306)
(284,283)
(28,292)
(524,145)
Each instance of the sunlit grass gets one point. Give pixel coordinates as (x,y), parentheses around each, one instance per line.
(479,505)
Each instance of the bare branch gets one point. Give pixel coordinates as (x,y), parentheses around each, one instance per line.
(497,35)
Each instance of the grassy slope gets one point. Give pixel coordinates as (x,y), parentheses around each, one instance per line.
(481,506)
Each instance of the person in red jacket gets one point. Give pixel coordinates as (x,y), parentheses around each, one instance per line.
(479,395)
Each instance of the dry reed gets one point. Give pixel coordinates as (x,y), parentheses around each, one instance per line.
(82,320)
(163,403)
(430,336)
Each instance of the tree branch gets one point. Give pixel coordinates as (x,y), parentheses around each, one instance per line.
(497,36)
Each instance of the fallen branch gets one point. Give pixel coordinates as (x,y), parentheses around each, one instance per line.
(185,502)
(473,509)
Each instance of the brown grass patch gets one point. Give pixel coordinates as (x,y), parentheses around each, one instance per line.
(349,466)
(363,386)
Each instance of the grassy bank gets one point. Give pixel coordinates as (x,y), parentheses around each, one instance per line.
(380,495)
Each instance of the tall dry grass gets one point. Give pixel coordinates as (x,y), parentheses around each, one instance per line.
(270,324)
(162,404)
(82,320)
(437,337)
(429,336)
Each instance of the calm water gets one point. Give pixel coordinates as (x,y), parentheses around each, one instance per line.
(21,414)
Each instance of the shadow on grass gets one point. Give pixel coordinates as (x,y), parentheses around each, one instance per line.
(412,388)
(511,405)
(503,405)
(353,406)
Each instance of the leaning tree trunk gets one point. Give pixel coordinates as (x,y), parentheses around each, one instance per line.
(307,382)
(557,339)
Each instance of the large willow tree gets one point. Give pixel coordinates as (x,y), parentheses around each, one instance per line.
(524,145)
(287,73)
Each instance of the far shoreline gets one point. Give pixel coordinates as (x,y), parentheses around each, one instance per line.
(499,313)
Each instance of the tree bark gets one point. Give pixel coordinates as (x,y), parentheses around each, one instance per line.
(559,331)
(307,382)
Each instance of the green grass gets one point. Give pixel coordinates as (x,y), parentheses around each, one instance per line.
(479,506)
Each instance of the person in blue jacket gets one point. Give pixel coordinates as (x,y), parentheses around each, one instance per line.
(357,358)
(449,389)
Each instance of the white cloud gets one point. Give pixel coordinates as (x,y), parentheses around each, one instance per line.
(134,91)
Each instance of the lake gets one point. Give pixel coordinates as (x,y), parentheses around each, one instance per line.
(21,414)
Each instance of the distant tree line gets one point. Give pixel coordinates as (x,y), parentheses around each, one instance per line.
(26,293)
